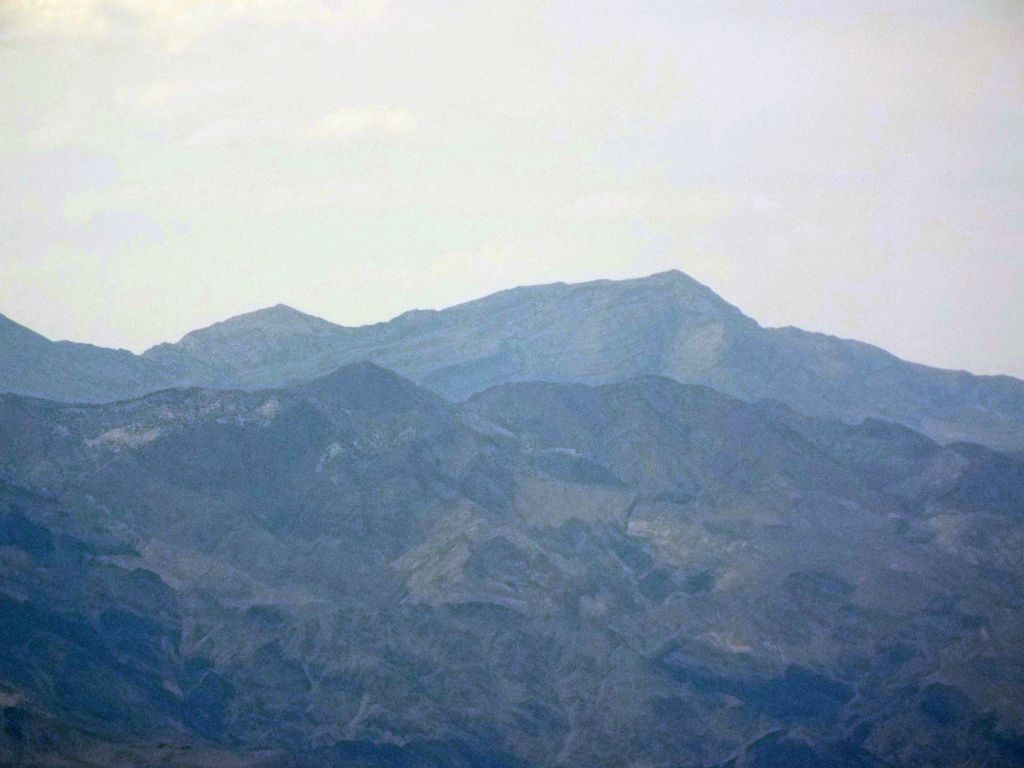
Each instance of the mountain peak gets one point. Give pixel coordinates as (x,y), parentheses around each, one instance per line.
(274,321)
(365,386)
(683,285)
(217,352)
(602,331)
(668,291)
(278,315)
(11,331)
(669,288)
(671,275)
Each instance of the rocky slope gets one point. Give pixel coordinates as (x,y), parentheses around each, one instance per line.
(354,571)
(606,331)
(33,365)
(599,332)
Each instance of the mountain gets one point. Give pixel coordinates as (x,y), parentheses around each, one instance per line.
(230,353)
(606,331)
(598,332)
(353,571)
(32,365)
(590,332)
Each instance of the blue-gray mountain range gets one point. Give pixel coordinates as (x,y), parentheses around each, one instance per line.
(547,551)
(355,572)
(598,332)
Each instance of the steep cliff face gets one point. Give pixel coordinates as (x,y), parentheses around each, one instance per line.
(354,571)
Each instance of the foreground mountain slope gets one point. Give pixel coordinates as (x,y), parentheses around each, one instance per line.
(353,571)
(598,332)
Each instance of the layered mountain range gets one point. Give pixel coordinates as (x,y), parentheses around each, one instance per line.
(593,333)
(545,544)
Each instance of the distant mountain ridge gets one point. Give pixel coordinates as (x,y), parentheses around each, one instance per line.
(32,365)
(596,332)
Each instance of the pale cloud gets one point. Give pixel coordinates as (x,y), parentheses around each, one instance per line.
(77,18)
(155,94)
(58,132)
(349,122)
(81,119)
(177,23)
(307,151)
(689,206)
(233,131)
(345,124)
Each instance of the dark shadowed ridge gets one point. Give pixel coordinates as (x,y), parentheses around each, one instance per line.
(205,577)
(364,386)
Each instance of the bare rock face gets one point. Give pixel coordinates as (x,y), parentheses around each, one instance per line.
(354,571)
(591,333)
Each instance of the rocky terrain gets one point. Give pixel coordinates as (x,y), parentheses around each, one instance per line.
(592,333)
(32,365)
(355,571)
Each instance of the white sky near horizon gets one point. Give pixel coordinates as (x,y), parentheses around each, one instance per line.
(855,168)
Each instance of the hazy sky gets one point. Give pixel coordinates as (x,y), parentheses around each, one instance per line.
(853,168)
